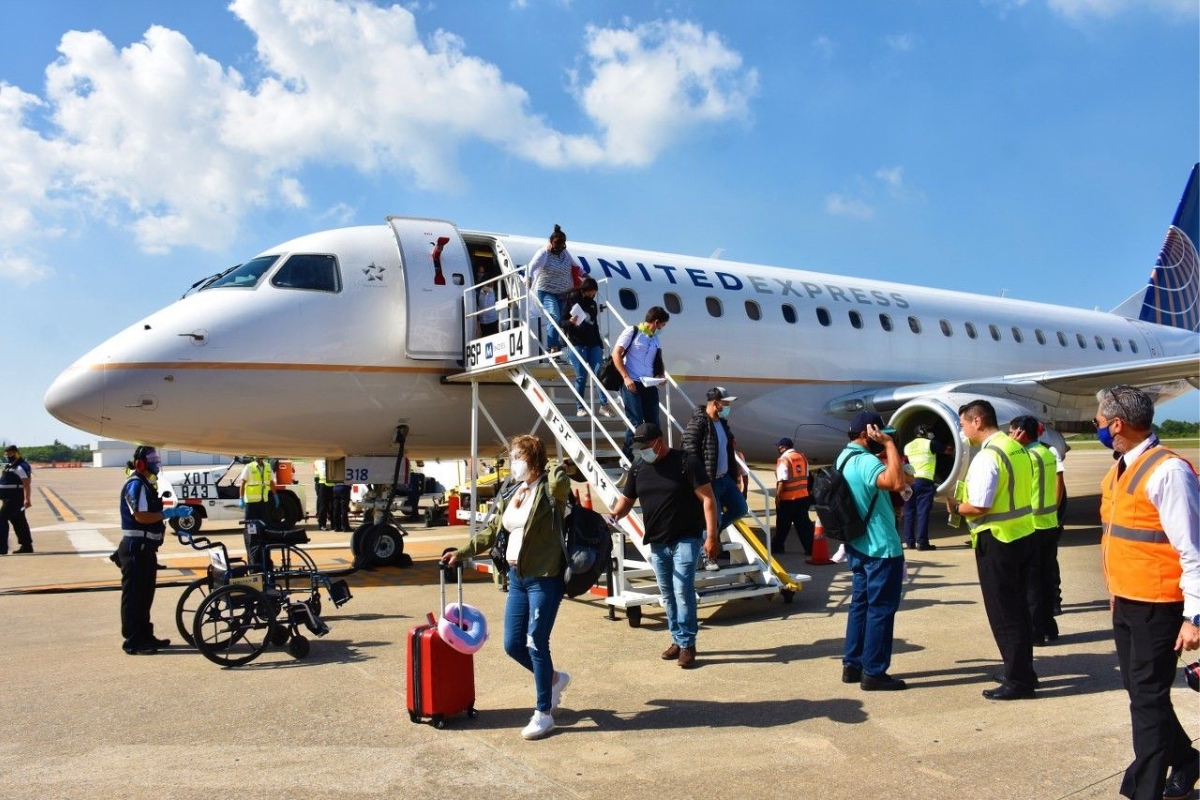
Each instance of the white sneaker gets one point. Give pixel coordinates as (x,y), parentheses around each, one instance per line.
(606,411)
(564,680)
(711,566)
(540,724)
(581,412)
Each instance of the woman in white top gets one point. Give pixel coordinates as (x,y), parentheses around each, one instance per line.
(530,514)
(549,275)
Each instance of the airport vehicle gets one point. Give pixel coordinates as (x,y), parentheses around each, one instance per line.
(241,606)
(213,494)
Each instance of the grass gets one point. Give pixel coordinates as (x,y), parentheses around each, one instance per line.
(1081,443)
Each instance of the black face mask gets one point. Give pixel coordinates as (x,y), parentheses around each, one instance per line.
(12,459)
(875,447)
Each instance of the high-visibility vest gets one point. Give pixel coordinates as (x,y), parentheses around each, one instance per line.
(795,485)
(1011,514)
(1045,486)
(258,482)
(921,458)
(1139,561)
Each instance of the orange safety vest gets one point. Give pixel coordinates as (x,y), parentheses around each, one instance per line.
(795,486)
(1139,561)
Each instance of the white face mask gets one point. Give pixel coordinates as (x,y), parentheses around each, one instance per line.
(519,467)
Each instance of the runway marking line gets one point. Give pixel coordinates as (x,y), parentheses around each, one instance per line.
(61,508)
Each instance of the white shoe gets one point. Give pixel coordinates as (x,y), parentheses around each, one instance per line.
(564,680)
(540,724)
(606,411)
(711,566)
(581,412)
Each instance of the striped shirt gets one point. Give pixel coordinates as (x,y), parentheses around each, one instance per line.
(551,273)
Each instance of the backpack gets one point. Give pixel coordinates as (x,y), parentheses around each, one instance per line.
(587,547)
(834,503)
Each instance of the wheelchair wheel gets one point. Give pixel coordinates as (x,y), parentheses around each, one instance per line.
(234,625)
(189,602)
(281,635)
(298,648)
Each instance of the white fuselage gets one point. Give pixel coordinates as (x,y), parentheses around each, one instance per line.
(298,373)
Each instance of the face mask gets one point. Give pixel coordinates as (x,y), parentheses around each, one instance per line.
(648,456)
(153,467)
(1105,436)
(519,468)
(725,412)
(875,447)
(12,459)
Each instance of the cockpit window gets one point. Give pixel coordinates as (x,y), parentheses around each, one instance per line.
(309,271)
(243,276)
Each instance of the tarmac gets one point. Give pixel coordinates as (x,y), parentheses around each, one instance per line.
(764,712)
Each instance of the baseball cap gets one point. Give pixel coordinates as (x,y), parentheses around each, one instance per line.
(720,393)
(785,442)
(12,448)
(646,432)
(864,418)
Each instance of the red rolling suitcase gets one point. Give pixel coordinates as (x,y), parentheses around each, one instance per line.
(441,680)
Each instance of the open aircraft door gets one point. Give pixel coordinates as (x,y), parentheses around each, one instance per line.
(436,267)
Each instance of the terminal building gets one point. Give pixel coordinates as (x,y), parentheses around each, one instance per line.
(114,453)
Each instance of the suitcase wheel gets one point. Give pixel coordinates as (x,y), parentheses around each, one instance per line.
(414,716)
(439,722)
(472,713)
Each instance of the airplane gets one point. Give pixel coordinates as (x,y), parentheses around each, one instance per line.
(320,346)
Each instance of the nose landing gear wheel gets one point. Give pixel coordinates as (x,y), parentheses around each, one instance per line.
(233,625)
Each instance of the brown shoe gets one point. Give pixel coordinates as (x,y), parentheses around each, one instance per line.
(687,656)
(671,653)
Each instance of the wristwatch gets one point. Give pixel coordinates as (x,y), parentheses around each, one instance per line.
(1195,620)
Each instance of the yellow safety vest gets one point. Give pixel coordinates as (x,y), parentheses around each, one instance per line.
(1011,514)
(921,458)
(258,482)
(1045,486)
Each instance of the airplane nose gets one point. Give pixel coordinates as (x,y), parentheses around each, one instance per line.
(77,397)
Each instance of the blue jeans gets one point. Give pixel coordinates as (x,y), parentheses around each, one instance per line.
(916,511)
(730,502)
(641,405)
(877,583)
(675,569)
(552,304)
(593,354)
(528,619)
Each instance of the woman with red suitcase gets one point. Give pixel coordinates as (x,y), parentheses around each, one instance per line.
(527,529)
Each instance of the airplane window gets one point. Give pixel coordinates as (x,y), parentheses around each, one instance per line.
(914,324)
(1016,332)
(714,306)
(1099,342)
(629,299)
(312,271)
(885,322)
(672,302)
(946,329)
(1041,337)
(856,319)
(1133,345)
(1062,338)
(753,311)
(971,332)
(1082,341)
(995,332)
(823,317)
(789,313)
(1116,344)
(244,277)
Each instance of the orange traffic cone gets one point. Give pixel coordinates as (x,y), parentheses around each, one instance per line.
(820,553)
(587,503)
(575,494)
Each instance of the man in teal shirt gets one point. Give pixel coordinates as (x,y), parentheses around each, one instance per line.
(876,558)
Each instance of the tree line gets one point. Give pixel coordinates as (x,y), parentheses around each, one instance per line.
(54,453)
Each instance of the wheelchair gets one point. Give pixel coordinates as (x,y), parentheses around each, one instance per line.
(242,606)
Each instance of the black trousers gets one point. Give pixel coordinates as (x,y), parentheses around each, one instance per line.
(12,510)
(1145,634)
(1003,575)
(256,511)
(1042,586)
(323,503)
(339,508)
(789,513)
(139,565)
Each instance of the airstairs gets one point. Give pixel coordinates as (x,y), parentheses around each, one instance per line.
(516,355)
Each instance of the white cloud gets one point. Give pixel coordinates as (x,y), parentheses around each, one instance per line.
(824,46)
(21,269)
(839,205)
(901,42)
(893,178)
(178,147)
(1076,9)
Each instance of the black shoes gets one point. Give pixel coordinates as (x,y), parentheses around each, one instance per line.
(999,678)
(1008,692)
(25,548)
(927,546)
(160,643)
(881,683)
(851,674)
(1182,780)
(142,649)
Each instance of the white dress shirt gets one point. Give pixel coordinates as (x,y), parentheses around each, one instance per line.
(983,476)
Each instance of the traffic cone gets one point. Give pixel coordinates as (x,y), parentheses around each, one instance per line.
(587,503)
(820,553)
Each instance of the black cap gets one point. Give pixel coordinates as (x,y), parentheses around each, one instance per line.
(864,418)
(12,448)
(785,442)
(720,393)
(646,432)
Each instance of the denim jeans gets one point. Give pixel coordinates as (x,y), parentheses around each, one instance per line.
(730,501)
(916,511)
(552,303)
(593,354)
(877,583)
(641,405)
(675,569)
(528,619)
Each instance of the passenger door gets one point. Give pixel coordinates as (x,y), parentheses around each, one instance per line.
(436,269)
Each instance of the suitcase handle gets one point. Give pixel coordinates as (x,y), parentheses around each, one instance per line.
(442,570)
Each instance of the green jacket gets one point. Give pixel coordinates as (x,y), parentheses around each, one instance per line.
(541,549)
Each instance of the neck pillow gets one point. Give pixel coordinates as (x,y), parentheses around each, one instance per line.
(463,627)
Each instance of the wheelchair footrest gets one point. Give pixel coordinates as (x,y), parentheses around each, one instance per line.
(305,614)
(339,593)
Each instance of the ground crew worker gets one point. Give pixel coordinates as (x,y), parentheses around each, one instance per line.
(256,489)
(324,488)
(142,529)
(16,495)
(999,513)
(791,498)
(339,506)
(1151,556)
(922,453)
(1042,588)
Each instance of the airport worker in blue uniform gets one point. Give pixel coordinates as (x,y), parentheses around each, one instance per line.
(15,497)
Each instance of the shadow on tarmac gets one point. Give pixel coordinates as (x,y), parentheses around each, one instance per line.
(788,653)
(324,651)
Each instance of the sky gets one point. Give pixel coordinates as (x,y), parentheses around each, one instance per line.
(1035,147)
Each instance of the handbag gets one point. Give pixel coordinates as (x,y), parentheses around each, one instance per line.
(610,377)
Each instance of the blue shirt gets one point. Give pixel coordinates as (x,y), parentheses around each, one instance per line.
(862,470)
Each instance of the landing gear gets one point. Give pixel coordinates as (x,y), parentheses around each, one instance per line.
(388,546)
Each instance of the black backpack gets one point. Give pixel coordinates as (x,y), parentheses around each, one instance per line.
(834,503)
(587,547)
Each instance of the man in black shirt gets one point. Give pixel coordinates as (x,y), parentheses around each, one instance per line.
(678,507)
